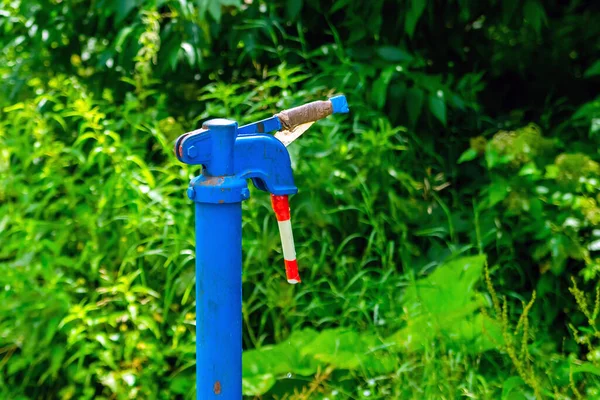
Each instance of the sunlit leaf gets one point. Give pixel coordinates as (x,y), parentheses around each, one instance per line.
(467,155)
(437,106)
(509,387)
(593,70)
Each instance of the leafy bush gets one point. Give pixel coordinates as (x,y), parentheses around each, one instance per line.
(395,228)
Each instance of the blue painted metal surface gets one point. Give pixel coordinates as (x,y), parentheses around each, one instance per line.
(340,105)
(229,156)
(266,125)
(267,162)
(229,159)
(219,301)
(262,158)
(218,195)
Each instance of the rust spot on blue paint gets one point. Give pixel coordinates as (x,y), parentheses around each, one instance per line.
(212,181)
(217,387)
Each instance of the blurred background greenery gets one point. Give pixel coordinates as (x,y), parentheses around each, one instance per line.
(448,228)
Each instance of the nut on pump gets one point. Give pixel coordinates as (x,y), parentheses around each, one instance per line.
(230,155)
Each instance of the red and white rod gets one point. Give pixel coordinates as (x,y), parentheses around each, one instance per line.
(281,206)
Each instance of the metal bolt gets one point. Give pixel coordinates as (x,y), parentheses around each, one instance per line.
(191,193)
(192,152)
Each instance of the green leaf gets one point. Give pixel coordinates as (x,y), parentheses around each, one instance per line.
(260,367)
(437,106)
(338,347)
(468,155)
(494,159)
(145,322)
(593,70)
(450,287)
(529,169)
(413,15)
(258,384)
(380,87)
(348,349)
(181,384)
(497,191)
(508,9)
(339,4)
(587,368)
(17,364)
(143,169)
(559,253)
(169,52)
(535,15)
(594,127)
(414,104)
(189,53)
(121,37)
(509,385)
(446,303)
(14,107)
(552,171)
(393,54)
(293,8)
(56,360)
(123,8)
(214,9)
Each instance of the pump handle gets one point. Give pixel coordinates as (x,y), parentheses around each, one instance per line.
(303,114)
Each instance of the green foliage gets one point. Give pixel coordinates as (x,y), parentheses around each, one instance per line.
(446,304)
(549,202)
(80,211)
(439,306)
(473,137)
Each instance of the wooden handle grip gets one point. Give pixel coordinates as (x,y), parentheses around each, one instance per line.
(303,114)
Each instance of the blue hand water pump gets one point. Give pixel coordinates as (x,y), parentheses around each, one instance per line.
(230,155)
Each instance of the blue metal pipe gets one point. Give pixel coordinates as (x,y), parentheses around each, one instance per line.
(218,195)
(219,301)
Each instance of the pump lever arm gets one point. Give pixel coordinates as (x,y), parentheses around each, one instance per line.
(289,119)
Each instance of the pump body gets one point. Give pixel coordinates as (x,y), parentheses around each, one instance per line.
(230,156)
(218,194)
